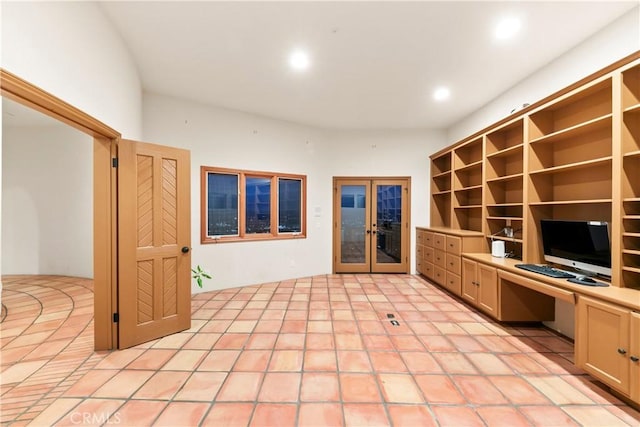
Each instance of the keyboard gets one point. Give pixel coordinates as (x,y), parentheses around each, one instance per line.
(546,270)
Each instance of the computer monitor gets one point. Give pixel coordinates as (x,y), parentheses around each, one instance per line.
(583,245)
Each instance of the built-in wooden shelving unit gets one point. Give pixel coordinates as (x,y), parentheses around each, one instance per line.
(574,155)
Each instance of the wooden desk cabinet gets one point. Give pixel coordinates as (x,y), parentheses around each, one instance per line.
(480,286)
(438,254)
(607,344)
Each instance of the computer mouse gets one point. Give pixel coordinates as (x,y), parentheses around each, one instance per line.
(586,279)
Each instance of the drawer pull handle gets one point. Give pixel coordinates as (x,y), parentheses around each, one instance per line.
(622,351)
(634,358)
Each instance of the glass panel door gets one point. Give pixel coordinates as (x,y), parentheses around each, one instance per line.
(352,220)
(389,225)
(371,225)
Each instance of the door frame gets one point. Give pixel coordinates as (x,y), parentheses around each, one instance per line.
(105,146)
(406,244)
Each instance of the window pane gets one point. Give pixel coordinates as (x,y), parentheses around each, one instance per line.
(289,205)
(222,204)
(258,198)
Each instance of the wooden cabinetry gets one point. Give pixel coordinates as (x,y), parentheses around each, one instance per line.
(607,344)
(467,185)
(480,286)
(504,180)
(574,156)
(441,190)
(634,357)
(631,176)
(570,160)
(438,254)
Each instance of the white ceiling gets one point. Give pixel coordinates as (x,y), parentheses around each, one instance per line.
(374,64)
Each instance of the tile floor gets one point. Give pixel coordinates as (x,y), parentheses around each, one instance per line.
(317,351)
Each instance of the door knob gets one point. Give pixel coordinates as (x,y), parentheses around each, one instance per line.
(185,249)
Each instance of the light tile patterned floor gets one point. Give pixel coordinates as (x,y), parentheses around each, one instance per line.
(318,351)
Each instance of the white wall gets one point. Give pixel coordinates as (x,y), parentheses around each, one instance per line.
(223,138)
(47,200)
(614,42)
(71,50)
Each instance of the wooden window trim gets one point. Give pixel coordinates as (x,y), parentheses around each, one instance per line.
(242,235)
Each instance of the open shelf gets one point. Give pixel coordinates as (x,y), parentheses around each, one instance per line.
(631,131)
(573,166)
(468,207)
(470,166)
(439,193)
(504,218)
(441,164)
(505,138)
(631,88)
(571,202)
(506,239)
(506,178)
(446,174)
(595,124)
(594,102)
(632,109)
(468,154)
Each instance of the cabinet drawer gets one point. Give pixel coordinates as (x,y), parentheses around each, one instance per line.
(427,267)
(419,252)
(429,254)
(454,245)
(428,238)
(439,275)
(453,264)
(420,237)
(439,241)
(439,259)
(454,283)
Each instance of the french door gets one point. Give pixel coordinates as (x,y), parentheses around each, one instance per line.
(371,225)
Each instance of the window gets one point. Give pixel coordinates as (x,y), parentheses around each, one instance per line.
(242,205)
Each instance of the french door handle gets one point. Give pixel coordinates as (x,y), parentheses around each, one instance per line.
(374,231)
(369,231)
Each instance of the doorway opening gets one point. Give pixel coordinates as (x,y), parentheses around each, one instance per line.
(371,224)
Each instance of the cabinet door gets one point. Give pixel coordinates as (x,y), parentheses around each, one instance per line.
(488,289)
(469,284)
(602,342)
(634,357)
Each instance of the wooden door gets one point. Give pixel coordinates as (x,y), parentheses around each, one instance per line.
(634,357)
(154,291)
(389,225)
(488,289)
(371,225)
(469,283)
(352,226)
(602,342)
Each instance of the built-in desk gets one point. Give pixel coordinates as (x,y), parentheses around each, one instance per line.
(558,288)
(607,343)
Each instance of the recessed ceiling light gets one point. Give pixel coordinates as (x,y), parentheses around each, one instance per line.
(299,60)
(507,28)
(441,94)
